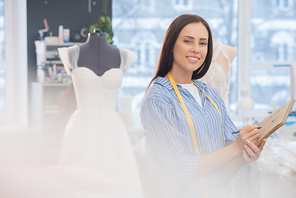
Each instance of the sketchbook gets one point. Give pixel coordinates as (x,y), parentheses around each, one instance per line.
(269,125)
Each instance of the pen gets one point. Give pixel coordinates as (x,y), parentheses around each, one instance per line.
(239,130)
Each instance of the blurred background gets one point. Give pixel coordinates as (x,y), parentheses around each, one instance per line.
(36,95)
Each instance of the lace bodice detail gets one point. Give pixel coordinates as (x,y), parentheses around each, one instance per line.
(216,76)
(95,93)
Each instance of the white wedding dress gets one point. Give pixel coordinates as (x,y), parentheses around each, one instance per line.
(97,160)
(218,75)
(95,136)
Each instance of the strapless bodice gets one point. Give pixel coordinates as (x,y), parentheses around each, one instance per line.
(96,93)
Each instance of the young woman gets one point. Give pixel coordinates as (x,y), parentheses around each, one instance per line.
(186,121)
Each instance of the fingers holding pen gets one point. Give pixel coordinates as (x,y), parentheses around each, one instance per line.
(249,132)
(248,129)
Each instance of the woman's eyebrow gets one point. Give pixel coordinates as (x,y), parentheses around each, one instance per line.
(205,39)
(188,37)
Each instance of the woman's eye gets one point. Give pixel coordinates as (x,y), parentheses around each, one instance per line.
(186,41)
(203,43)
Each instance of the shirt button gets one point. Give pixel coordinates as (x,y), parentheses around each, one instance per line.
(211,135)
(206,116)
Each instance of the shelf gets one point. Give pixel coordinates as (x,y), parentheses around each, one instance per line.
(62,44)
(53,62)
(54,47)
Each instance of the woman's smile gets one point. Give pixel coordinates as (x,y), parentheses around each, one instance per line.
(193,59)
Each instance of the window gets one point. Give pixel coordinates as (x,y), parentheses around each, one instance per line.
(284,5)
(143,32)
(7,105)
(273,42)
(13,64)
(264,34)
(281,42)
(2,31)
(2,58)
(270,87)
(149,4)
(182,4)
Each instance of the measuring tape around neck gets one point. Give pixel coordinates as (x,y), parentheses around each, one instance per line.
(191,126)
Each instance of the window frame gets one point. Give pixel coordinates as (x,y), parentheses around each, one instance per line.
(245,60)
(8,65)
(16,115)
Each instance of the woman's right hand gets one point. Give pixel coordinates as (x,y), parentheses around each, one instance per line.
(248,133)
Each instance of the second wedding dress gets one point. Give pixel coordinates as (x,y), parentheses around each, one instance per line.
(216,76)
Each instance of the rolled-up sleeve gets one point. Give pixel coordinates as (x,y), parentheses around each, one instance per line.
(166,147)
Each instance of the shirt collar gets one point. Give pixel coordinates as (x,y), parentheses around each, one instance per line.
(167,84)
(163,82)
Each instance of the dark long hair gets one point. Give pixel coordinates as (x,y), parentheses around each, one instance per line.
(166,58)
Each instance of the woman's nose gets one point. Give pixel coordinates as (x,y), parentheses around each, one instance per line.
(195,49)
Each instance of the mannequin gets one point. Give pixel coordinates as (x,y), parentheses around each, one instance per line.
(97,54)
(223,62)
(218,75)
(95,137)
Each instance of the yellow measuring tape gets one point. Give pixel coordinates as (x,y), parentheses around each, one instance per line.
(191,126)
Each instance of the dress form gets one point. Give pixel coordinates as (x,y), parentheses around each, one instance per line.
(95,137)
(222,60)
(231,52)
(97,54)
(218,75)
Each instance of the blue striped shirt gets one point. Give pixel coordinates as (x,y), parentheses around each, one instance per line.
(170,156)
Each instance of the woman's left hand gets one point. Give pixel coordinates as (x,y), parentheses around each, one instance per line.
(251,152)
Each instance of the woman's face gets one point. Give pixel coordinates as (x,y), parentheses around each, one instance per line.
(191,48)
